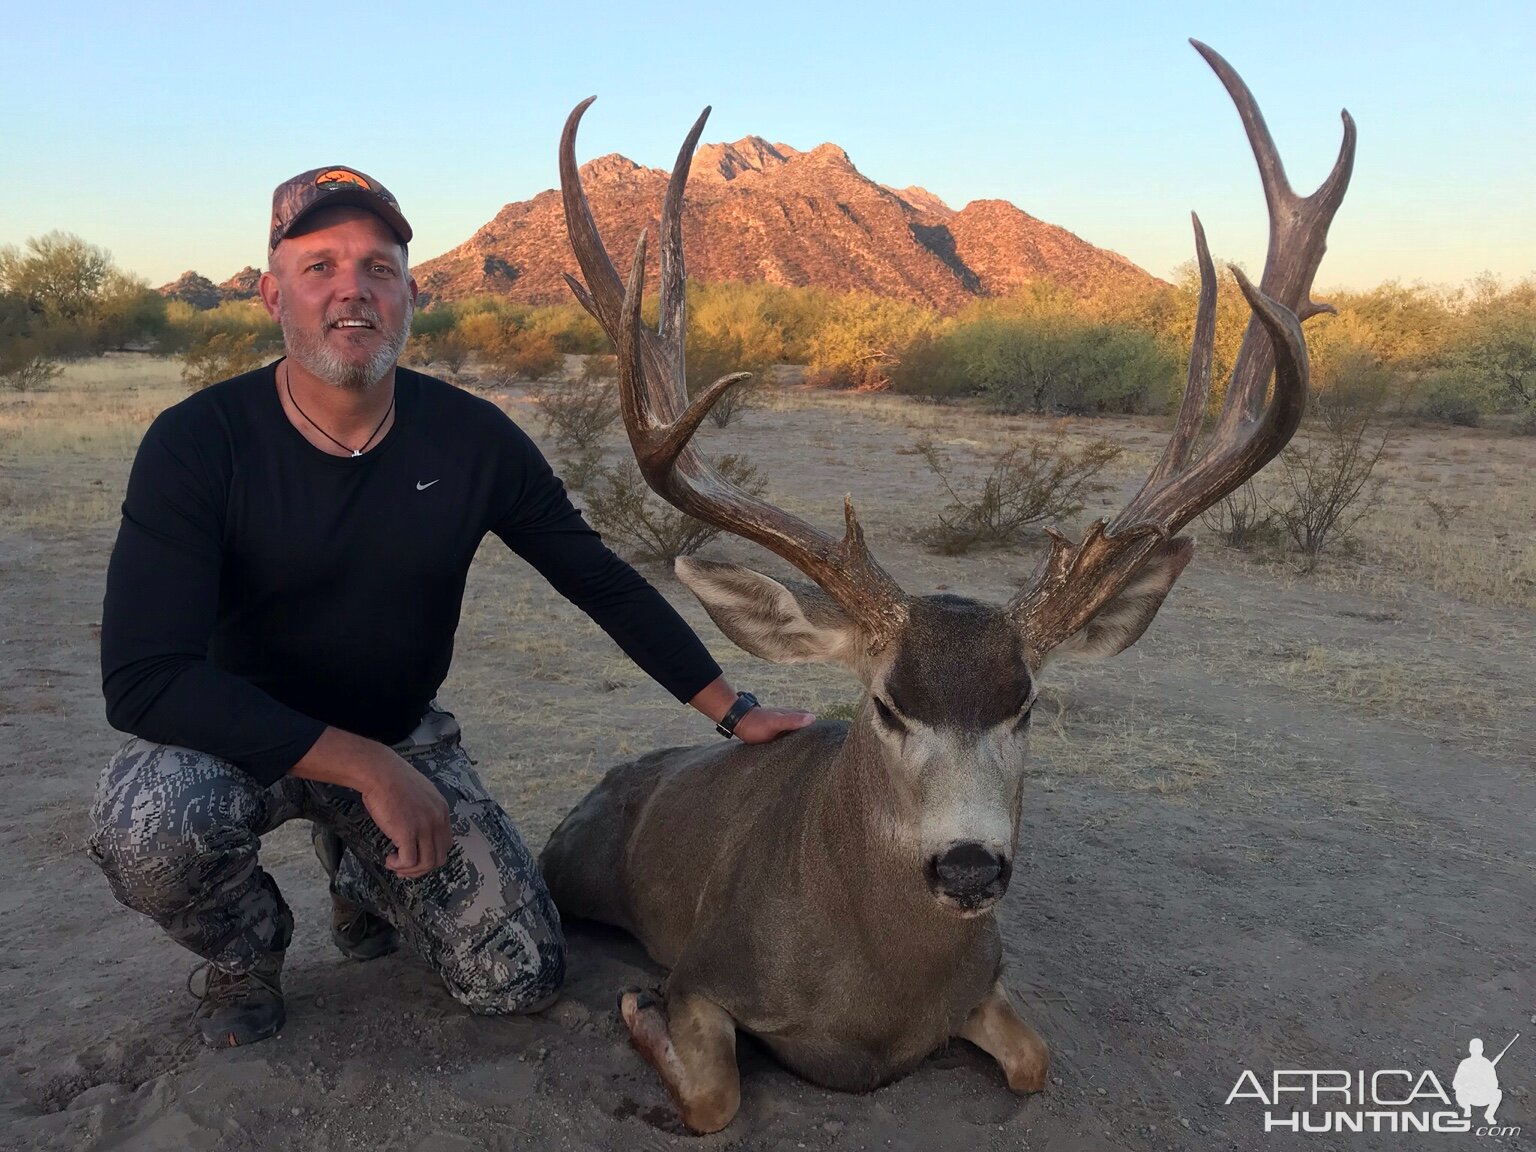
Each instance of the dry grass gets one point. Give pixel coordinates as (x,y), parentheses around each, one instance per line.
(65,452)
(1425,691)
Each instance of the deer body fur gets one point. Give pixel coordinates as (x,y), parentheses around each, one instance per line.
(761,879)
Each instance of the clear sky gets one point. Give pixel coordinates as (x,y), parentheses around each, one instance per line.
(159,129)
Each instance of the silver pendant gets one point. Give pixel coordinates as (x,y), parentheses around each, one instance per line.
(357,451)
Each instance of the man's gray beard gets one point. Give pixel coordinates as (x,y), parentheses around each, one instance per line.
(316,357)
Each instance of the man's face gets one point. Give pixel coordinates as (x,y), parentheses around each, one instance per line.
(344,298)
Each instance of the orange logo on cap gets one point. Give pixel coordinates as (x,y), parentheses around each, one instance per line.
(341,176)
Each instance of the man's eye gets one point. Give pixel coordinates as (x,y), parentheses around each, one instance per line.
(317,267)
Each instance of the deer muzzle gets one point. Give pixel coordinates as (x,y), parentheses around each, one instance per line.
(968,877)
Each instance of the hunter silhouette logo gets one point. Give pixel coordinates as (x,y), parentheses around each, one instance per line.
(335,176)
(1477,1083)
(1387,1100)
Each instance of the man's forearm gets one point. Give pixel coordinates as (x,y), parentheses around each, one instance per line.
(346,759)
(715,698)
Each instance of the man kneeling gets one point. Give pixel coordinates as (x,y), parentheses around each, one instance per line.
(280,613)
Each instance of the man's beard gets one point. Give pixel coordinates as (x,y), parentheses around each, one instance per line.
(315,355)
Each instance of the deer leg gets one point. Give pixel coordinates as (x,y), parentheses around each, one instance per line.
(692,1045)
(995,1028)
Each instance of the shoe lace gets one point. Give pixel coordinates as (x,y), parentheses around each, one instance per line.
(220,984)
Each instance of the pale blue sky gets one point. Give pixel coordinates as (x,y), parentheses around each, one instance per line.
(159,129)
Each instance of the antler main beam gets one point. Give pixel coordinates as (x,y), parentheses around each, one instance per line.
(1075,581)
(661,421)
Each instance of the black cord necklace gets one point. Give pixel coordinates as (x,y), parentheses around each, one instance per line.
(288,384)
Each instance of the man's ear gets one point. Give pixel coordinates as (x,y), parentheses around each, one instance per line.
(1120,623)
(792,623)
(271,295)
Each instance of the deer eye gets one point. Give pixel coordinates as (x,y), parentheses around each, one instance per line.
(888,715)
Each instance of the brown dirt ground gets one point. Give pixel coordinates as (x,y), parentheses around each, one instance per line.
(1290,828)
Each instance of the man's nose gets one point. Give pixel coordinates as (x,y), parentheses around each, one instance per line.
(353,284)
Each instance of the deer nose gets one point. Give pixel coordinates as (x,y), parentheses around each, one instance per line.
(969,871)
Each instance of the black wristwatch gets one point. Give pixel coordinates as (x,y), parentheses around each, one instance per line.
(745,702)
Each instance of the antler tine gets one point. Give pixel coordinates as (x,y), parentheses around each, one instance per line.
(605,294)
(674,288)
(1074,582)
(1197,384)
(661,421)
(1298,230)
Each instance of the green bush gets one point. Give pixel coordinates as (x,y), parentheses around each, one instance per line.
(25,364)
(220,356)
(1447,396)
(1040,364)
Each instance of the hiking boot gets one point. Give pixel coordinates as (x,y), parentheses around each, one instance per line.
(357,932)
(237,1008)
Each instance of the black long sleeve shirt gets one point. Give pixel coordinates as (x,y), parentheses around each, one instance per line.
(261,590)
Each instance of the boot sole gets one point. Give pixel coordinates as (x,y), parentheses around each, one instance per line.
(240,1036)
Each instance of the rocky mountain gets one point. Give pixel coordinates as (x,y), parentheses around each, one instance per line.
(242,285)
(202,293)
(763,211)
(190,288)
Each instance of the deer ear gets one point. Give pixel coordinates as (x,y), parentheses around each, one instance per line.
(792,623)
(1120,623)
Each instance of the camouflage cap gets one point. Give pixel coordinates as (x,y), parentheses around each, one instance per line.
(295,199)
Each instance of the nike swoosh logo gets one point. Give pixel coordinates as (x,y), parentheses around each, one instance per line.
(420,487)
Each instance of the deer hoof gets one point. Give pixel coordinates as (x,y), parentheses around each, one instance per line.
(634,1002)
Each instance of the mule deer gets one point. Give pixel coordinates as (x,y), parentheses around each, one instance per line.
(833,892)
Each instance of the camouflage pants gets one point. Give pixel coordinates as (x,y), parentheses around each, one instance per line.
(177,834)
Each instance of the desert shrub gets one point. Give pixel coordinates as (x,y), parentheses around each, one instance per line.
(1244,520)
(579,469)
(25,365)
(929,369)
(530,354)
(1030,354)
(861,340)
(569,326)
(1448,396)
(623,508)
(187,327)
(28,374)
(1328,485)
(729,331)
(1497,349)
(599,369)
(446,348)
(577,414)
(1024,486)
(220,356)
(1076,371)
(128,313)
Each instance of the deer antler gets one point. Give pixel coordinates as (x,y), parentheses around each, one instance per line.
(1074,582)
(661,421)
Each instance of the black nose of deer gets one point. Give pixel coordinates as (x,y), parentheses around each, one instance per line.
(969,874)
